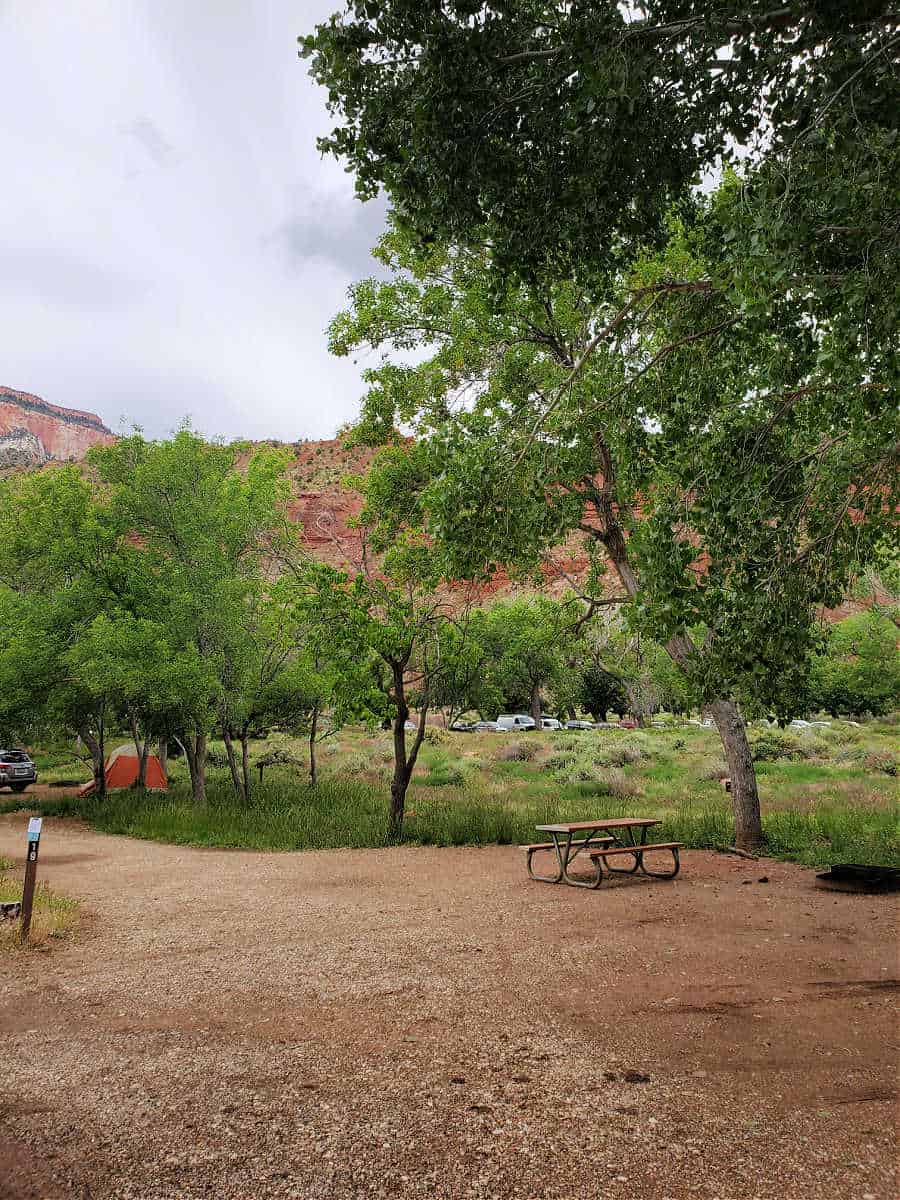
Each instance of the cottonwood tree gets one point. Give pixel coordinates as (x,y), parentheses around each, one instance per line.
(857,669)
(731,482)
(528,644)
(550,141)
(556,132)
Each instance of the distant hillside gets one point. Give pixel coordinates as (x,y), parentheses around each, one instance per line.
(33,432)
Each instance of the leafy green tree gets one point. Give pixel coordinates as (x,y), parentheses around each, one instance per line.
(65,562)
(600,691)
(200,533)
(858,671)
(524,649)
(557,132)
(391,617)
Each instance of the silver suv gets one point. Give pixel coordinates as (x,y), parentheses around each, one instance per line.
(16,770)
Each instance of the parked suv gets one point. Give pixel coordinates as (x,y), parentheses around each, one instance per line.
(515,721)
(16,770)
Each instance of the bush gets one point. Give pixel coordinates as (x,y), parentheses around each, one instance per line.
(435,736)
(715,769)
(881,762)
(444,773)
(558,762)
(576,770)
(357,764)
(568,742)
(773,744)
(517,752)
(622,754)
(616,783)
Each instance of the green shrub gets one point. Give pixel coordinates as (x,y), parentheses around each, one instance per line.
(616,783)
(714,769)
(773,744)
(444,773)
(622,754)
(557,762)
(523,751)
(881,761)
(435,736)
(356,763)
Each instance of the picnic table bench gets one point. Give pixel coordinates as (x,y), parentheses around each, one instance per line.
(603,838)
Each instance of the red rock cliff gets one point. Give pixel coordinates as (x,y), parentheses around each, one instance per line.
(33,432)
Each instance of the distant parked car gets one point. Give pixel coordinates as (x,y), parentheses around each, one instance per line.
(463,726)
(550,723)
(410,725)
(513,721)
(579,725)
(16,770)
(602,725)
(486,727)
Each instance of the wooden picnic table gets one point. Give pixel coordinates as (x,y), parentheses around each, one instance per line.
(603,838)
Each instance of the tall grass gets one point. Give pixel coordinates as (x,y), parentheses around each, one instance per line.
(286,814)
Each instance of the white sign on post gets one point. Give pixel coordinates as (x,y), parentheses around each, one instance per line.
(34,828)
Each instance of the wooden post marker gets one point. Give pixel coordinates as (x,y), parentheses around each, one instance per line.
(34,841)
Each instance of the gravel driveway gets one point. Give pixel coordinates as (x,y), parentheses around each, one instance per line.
(424,1022)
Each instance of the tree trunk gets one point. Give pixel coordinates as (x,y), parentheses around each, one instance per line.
(98,759)
(195,749)
(143,753)
(142,765)
(748,834)
(245,761)
(162,753)
(232,762)
(400,780)
(536,704)
(313,724)
(404,763)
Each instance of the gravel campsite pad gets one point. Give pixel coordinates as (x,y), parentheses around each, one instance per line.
(427,1022)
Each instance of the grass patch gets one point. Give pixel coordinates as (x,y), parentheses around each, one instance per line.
(815,810)
(53,916)
(341,812)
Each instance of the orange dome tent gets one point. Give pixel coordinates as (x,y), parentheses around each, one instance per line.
(122,769)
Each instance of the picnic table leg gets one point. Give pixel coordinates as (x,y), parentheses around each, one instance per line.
(664,874)
(559,864)
(570,879)
(638,857)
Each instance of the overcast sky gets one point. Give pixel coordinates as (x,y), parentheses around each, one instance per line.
(171,242)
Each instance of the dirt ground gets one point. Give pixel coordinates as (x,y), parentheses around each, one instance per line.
(424,1022)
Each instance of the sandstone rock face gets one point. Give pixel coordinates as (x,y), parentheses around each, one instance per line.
(33,432)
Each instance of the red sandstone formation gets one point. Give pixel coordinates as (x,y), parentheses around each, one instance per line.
(33,432)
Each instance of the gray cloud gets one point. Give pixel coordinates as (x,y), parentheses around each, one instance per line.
(346,244)
(171,241)
(147,135)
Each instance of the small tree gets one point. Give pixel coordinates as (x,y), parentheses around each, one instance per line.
(390,620)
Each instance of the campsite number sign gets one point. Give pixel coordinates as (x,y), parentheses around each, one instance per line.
(31,858)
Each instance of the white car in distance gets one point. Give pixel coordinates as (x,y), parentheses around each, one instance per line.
(515,721)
